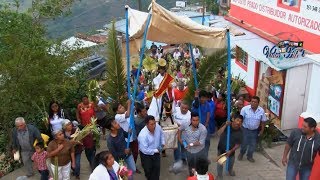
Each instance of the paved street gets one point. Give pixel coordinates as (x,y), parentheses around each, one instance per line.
(262,169)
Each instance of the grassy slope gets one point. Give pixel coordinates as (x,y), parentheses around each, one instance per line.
(89,15)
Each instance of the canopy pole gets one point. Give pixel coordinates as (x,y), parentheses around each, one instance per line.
(128,52)
(194,72)
(143,46)
(228,96)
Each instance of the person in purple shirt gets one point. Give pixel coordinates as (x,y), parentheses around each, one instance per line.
(201,101)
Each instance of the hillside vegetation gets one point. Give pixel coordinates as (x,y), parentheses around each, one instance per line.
(89,15)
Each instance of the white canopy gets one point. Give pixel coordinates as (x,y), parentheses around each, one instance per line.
(167,27)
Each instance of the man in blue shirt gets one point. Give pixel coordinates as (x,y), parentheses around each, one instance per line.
(151,142)
(201,101)
(253,118)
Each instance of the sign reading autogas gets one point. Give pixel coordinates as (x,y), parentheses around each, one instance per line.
(285,50)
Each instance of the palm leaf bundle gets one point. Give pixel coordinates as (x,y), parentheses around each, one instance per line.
(92,127)
(115,86)
(208,68)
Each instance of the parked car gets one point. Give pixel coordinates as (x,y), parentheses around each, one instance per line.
(94,66)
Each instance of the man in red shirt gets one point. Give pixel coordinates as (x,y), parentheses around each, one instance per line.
(179,93)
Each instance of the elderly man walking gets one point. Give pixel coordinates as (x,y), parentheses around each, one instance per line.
(23,137)
(253,118)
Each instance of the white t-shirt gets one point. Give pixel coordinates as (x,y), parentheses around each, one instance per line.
(196,54)
(124,123)
(56,122)
(180,118)
(159,55)
(101,172)
(176,55)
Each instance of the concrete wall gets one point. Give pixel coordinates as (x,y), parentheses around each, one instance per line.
(248,75)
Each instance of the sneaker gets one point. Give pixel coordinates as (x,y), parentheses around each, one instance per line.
(240,157)
(232,173)
(251,160)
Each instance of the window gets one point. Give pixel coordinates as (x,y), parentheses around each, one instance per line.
(94,64)
(241,56)
(293,5)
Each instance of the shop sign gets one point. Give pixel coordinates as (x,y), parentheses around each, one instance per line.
(285,54)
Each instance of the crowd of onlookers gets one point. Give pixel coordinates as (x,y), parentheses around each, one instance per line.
(60,155)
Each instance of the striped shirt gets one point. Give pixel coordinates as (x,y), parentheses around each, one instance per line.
(252,119)
(191,136)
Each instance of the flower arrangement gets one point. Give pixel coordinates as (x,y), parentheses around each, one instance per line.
(124,173)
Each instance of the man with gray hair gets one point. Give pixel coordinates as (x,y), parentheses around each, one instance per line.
(23,137)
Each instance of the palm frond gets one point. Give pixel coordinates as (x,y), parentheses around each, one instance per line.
(208,68)
(115,86)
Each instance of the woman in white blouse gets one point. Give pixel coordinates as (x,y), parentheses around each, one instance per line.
(106,167)
(55,116)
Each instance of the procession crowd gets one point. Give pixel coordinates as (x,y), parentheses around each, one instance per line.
(194,123)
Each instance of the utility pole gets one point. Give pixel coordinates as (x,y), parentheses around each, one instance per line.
(139,5)
(203,8)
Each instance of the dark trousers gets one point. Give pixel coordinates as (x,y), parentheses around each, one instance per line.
(192,159)
(90,154)
(151,165)
(135,150)
(44,174)
(249,142)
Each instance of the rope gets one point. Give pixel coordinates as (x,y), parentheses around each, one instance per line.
(142,50)
(194,72)
(228,96)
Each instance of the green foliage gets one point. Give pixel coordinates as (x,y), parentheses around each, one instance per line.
(29,74)
(115,86)
(208,68)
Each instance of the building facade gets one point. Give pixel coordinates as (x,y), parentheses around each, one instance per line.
(288,86)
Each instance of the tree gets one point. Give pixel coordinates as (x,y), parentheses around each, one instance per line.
(115,86)
(29,74)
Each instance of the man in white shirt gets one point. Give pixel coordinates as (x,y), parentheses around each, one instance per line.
(151,142)
(156,103)
(181,116)
(176,54)
(196,53)
(123,119)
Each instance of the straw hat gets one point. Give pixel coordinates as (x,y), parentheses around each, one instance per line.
(162,62)
(222,158)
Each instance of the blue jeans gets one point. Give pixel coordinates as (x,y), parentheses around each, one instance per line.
(207,144)
(292,171)
(130,163)
(76,170)
(249,142)
(179,153)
